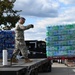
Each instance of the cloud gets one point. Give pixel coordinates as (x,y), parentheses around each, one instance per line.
(52,12)
(38,8)
(68,1)
(39,32)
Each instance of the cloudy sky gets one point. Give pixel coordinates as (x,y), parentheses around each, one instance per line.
(43,13)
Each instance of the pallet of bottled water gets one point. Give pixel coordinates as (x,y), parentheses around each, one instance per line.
(60,40)
(7,41)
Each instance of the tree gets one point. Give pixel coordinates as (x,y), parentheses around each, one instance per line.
(8,16)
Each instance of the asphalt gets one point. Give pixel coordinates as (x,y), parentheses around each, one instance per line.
(60,69)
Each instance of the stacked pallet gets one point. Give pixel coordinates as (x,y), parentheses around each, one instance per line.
(60,40)
(7,42)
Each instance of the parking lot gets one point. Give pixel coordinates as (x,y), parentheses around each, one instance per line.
(60,69)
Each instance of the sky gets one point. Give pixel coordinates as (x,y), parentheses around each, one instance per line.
(43,13)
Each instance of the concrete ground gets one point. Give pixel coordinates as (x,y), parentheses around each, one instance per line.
(60,69)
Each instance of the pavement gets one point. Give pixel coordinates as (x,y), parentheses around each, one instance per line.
(60,69)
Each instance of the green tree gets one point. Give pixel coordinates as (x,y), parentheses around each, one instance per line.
(8,16)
